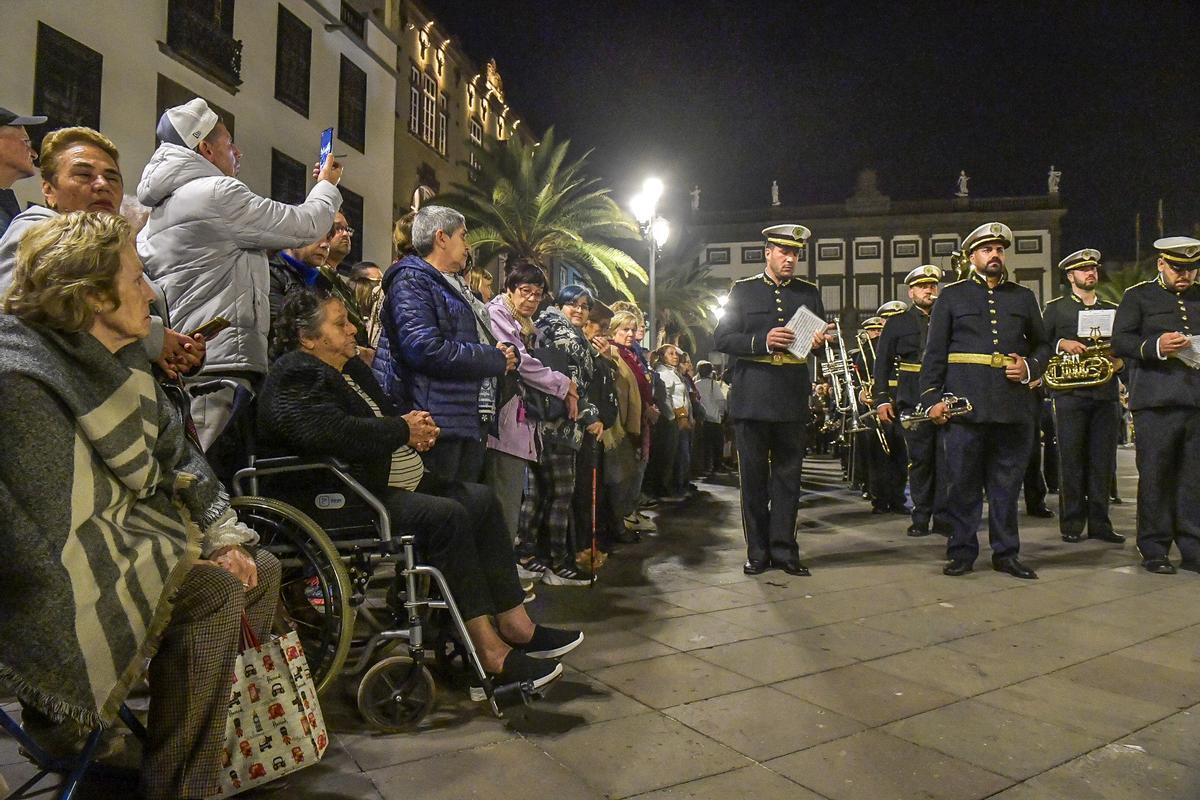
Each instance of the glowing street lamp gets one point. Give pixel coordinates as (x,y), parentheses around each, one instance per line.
(657,230)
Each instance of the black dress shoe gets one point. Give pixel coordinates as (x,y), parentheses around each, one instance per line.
(753,567)
(1040,511)
(1072,537)
(1014,568)
(878,510)
(1190,566)
(917,530)
(793,568)
(958,566)
(1116,501)
(1159,566)
(1111,536)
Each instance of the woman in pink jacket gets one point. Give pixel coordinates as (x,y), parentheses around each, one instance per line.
(517,440)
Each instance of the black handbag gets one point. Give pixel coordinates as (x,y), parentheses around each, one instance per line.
(539,405)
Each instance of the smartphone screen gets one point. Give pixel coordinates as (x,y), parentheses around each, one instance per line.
(326,145)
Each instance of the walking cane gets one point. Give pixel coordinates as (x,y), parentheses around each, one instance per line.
(595,472)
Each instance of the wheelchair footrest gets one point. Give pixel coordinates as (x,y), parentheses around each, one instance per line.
(508,695)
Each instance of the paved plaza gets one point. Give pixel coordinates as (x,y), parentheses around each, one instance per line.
(875,678)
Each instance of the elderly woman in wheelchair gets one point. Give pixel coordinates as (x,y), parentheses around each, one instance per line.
(320,401)
(119,544)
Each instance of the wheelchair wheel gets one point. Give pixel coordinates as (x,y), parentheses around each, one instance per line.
(396,694)
(314,594)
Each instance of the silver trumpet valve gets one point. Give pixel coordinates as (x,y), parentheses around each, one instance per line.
(955,406)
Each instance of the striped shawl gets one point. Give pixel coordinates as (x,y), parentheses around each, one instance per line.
(99,488)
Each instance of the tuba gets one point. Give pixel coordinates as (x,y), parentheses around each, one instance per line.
(1092,367)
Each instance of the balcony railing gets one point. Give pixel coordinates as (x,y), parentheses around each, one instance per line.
(196,39)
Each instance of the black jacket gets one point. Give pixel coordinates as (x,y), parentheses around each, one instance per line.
(1061,320)
(307,409)
(765,391)
(901,342)
(1147,311)
(969,317)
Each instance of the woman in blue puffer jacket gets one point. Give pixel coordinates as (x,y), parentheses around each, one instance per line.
(437,353)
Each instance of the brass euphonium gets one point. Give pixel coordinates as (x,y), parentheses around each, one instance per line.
(960,262)
(1092,367)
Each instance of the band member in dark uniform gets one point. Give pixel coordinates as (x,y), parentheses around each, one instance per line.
(1155,332)
(897,377)
(885,449)
(985,344)
(768,400)
(1087,419)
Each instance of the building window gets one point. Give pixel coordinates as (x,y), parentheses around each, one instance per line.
(354,21)
(289,178)
(201,33)
(831,295)
(906,249)
(476,133)
(66,83)
(442,118)
(352,207)
(830,252)
(293,54)
(414,100)
(717,256)
(1028,244)
(428,108)
(352,106)
(868,297)
(943,247)
(866,250)
(753,255)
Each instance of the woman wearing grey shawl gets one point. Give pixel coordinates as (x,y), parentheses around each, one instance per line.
(107,507)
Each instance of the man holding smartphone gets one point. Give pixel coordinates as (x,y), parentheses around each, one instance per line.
(206,241)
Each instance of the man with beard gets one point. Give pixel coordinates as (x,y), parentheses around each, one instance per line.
(986,343)
(768,398)
(1153,331)
(899,351)
(1086,419)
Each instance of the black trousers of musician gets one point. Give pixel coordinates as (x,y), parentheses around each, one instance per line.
(1087,450)
(921,442)
(994,455)
(887,470)
(1168,446)
(770,459)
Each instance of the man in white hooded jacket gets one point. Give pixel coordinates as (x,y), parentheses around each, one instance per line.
(206,241)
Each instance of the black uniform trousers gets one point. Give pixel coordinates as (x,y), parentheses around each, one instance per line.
(1087,451)
(770,459)
(922,443)
(994,455)
(887,469)
(1168,445)
(1041,473)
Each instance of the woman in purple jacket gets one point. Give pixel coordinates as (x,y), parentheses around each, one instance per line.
(517,439)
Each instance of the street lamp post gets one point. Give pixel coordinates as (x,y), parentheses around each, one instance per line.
(656,229)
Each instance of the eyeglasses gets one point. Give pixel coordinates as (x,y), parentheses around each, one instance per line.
(530,292)
(343,229)
(582,305)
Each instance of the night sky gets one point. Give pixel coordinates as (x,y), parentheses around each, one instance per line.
(731,95)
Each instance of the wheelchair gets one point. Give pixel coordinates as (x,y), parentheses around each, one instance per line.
(333,544)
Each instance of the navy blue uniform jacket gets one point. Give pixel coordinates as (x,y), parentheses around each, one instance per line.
(1147,311)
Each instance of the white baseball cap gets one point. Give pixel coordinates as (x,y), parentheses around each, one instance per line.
(187,124)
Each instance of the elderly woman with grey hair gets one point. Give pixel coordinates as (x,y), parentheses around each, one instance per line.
(437,352)
(119,543)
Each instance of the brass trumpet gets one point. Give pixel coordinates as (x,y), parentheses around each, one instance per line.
(955,406)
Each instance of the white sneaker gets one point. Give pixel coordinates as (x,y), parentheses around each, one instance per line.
(531,569)
(566,576)
(640,523)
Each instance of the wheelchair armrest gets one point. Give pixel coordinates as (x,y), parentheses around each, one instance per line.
(208,387)
(297,461)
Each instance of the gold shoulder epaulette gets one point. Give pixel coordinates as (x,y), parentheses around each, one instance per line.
(1055,299)
(748,278)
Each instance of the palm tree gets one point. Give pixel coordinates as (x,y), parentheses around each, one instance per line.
(1114,284)
(529,202)
(685,296)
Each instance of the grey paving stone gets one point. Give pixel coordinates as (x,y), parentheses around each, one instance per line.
(999,741)
(1119,772)
(852,639)
(638,754)
(694,632)
(671,680)
(754,782)
(1076,706)
(1143,680)
(449,729)
(1176,738)
(611,647)
(575,699)
(1180,649)
(764,618)
(867,695)
(509,769)
(1030,643)
(952,671)
(710,598)
(768,660)
(875,766)
(763,723)
(936,623)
